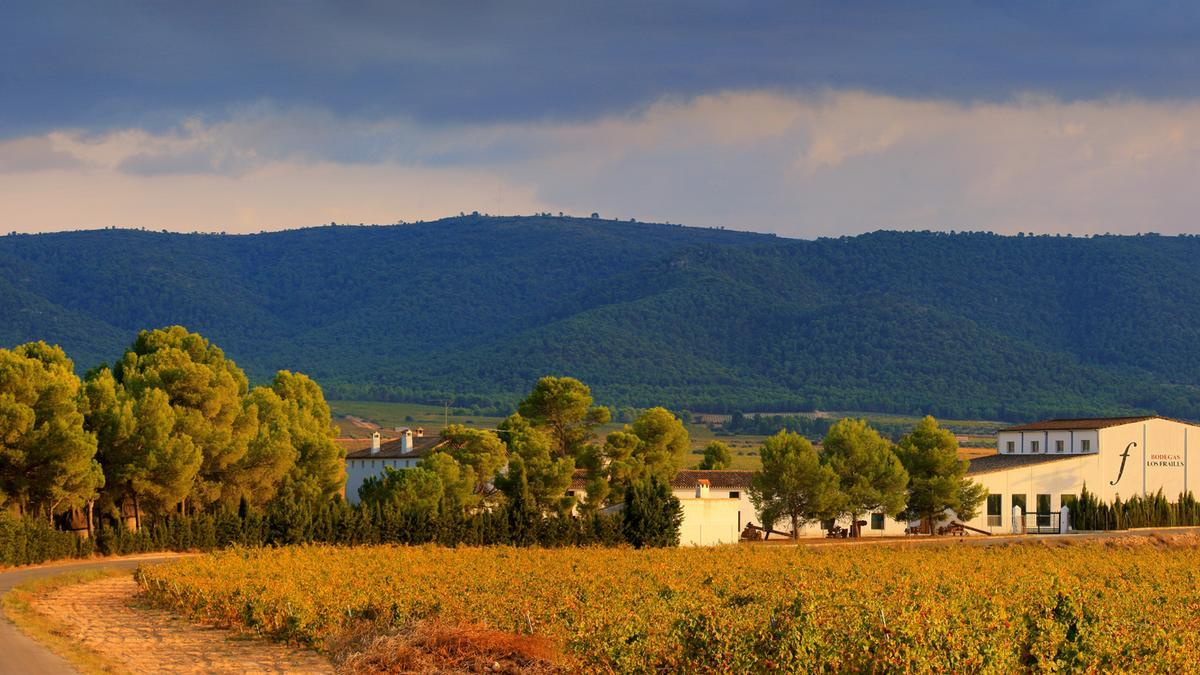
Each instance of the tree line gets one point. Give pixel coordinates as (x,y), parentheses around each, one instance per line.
(532,457)
(858,472)
(160,449)
(172,427)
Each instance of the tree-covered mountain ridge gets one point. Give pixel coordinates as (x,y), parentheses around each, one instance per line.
(476,307)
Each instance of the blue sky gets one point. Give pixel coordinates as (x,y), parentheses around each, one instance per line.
(803,119)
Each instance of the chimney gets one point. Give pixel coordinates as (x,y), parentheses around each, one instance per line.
(702,488)
(420,432)
(406,444)
(375,443)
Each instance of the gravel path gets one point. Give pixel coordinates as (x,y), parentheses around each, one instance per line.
(21,654)
(104,615)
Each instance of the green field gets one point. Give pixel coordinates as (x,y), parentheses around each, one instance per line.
(388,416)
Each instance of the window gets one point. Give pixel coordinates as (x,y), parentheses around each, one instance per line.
(1058,446)
(1035,446)
(570,493)
(1019,500)
(1085,445)
(1011,445)
(734,494)
(993,510)
(1043,510)
(1068,501)
(876,521)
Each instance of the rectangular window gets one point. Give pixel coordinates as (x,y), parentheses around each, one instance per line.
(1011,445)
(1068,501)
(570,493)
(1043,510)
(994,503)
(1058,446)
(876,521)
(1034,446)
(1019,500)
(1085,445)
(734,494)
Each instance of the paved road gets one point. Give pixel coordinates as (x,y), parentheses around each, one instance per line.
(19,655)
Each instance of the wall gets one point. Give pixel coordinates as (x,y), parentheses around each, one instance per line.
(1023,441)
(1159,457)
(708,521)
(746,514)
(1057,478)
(358,470)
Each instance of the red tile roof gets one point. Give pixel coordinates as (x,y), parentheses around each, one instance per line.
(390,448)
(994,463)
(1082,423)
(723,478)
(688,479)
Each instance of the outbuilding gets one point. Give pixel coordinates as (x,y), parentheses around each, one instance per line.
(366,459)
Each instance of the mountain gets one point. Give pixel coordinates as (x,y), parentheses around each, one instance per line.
(961,325)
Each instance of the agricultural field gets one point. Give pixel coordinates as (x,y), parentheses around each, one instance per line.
(1128,604)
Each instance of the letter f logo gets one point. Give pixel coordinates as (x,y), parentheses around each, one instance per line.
(1124,458)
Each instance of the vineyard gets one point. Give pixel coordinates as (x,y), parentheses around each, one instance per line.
(1129,604)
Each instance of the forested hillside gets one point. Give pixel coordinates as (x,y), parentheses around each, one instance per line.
(961,325)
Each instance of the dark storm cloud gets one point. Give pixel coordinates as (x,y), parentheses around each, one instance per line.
(98,65)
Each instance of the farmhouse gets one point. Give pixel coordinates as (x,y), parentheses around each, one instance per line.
(1043,466)
(370,457)
(717,508)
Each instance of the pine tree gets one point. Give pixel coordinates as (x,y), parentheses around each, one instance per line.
(870,476)
(47,459)
(320,468)
(205,391)
(793,485)
(937,479)
(652,515)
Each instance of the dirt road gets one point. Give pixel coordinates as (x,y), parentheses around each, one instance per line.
(19,654)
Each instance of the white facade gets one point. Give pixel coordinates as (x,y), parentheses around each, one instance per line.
(1115,458)
(402,452)
(877,524)
(708,519)
(358,470)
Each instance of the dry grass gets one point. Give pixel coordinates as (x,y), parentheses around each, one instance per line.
(19,608)
(434,647)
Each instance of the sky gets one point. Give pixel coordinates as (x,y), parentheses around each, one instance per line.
(803,119)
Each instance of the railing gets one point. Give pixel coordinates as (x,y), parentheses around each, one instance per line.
(1042,523)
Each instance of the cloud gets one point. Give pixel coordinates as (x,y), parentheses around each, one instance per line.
(831,163)
(104,66)
(36,153)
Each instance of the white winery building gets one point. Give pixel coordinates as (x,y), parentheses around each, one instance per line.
(1040,467)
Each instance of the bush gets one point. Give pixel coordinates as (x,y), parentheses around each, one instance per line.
(26,541)
(1150,511)
(652,515)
